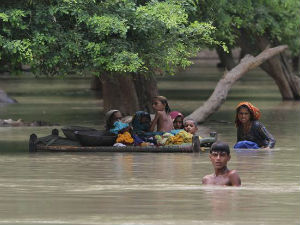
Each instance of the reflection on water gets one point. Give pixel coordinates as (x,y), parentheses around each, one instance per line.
(146,188)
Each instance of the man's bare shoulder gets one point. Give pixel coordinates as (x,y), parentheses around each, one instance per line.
(207,178)
(232,173)
(234,178)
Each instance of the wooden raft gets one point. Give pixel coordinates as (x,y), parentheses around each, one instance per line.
(195,146)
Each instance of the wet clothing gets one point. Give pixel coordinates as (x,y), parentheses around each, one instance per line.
(258,134)
(246,145)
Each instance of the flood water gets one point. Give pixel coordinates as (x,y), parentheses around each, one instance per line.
(147,188)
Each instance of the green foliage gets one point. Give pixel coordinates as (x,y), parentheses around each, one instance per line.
(278,20)
(15,46)
(122,36)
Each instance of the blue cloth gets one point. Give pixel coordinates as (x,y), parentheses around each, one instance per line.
(137,140)
(118,126)
(246,144)
(174,132)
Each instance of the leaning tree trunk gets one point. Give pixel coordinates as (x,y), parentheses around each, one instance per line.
(220,93)
(280,70)
(146,88)
(119,92)
(277,67)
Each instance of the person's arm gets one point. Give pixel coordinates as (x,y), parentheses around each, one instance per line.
(234,178)
(267,136)
(154,122)
(238,134)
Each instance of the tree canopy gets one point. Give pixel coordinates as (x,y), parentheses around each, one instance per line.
(277,20)
(122,36)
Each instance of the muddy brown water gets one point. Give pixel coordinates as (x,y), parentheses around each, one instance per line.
(147,188)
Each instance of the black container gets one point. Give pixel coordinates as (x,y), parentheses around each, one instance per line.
(69,131)
(95,138)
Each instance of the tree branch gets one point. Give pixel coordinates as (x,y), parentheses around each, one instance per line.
(218,97)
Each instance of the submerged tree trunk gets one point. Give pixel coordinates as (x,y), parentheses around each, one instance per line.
(119,92)
(226,59)
(96,86)
(146,88)
(277,67)
(219,95)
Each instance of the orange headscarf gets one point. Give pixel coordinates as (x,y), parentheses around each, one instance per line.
(254,110)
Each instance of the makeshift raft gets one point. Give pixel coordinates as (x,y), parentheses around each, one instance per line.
(197,145)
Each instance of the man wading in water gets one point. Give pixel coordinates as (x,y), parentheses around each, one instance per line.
(219,156)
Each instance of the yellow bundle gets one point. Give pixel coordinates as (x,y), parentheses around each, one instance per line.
(187,137)
(125,138)
(180,138)
(175,140)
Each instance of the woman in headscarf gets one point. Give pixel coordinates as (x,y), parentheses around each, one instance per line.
(111,117)
(141,122)
(177,118)
(251,133)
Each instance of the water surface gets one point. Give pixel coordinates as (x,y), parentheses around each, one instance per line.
(147,188)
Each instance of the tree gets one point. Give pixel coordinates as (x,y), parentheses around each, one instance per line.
(123,42)
(219,95)
(254,25)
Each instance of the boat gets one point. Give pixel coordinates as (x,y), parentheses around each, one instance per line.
(55,143)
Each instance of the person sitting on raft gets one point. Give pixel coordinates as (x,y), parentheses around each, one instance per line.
(178,137)
(141,122)
(115,126)
(162,119)
(190,126)
(219,156)
(111,117)
(177,118)
(250,132)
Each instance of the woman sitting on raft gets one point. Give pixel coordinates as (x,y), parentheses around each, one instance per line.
(111,117)
(250,132)
(177,118)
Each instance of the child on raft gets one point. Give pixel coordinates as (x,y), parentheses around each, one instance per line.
(190,126)
(162,119)
(177,118)
(179,136)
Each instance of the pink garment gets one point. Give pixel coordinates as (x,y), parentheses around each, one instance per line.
(175,114)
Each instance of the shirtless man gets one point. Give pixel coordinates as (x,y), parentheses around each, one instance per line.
(219,156)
